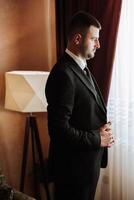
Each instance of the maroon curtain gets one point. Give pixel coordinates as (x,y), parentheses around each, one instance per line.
(108,13)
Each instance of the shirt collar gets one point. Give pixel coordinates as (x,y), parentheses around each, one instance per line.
(81,62)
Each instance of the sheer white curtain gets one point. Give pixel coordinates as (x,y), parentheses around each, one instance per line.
(117,181)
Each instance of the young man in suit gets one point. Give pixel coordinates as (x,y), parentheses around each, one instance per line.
(77,119)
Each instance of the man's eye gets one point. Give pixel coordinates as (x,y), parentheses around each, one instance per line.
(94,39)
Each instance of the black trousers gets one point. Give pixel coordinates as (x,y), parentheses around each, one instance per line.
(73,192)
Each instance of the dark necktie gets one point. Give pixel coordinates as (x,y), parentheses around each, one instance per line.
(88,73)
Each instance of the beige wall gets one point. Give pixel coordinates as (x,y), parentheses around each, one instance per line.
(27,42)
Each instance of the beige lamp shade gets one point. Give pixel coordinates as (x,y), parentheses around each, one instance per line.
(25,91)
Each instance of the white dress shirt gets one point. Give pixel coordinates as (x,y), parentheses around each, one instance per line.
(81,62)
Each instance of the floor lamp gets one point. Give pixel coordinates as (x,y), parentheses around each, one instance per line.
(25,92)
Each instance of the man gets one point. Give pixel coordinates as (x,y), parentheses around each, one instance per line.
(77,121)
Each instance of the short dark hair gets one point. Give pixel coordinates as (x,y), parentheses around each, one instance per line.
(80,22)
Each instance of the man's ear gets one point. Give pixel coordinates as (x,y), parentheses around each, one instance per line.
(77,38)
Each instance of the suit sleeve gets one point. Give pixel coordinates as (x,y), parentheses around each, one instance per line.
(60,94)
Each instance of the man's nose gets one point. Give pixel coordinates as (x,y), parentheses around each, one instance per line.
(97,44)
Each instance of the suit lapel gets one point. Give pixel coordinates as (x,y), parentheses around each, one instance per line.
(83,78)
(99,94)
(86,81)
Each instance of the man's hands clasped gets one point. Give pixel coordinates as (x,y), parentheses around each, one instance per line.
(107,139)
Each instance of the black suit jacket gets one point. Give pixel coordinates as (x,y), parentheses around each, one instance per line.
(75,113)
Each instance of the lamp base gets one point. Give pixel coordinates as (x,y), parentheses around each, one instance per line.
(38,162)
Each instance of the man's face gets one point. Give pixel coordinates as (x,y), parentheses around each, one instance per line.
(90,43)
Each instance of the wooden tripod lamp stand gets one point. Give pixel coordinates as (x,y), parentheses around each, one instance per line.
(25,92)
